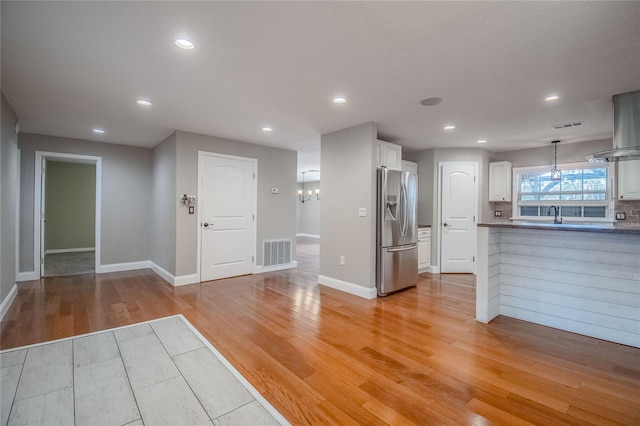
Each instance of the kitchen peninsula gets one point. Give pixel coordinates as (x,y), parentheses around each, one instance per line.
(579,278)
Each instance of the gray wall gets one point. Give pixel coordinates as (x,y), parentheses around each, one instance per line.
(309,212)
(162,237)
(126,183)
(428,182)
(567,153)
(70,205)
(276,215)
(348,183)
(8,197)
(475,155)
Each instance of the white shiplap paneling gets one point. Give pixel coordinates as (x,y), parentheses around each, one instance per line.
(587,283)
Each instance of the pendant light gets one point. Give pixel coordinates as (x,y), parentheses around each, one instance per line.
(556,173)
(301,195)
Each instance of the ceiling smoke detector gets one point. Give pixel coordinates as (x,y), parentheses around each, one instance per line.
(567,125)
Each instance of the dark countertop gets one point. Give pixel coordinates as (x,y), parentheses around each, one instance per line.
(616,229)
(424,226)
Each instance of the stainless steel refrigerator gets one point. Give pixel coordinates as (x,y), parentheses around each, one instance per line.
(397,231)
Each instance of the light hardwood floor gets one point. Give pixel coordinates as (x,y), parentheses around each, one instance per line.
(321,356)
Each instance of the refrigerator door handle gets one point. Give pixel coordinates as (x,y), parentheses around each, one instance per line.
(403,206)
(402,248)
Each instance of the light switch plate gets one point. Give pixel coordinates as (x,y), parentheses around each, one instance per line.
(362,212)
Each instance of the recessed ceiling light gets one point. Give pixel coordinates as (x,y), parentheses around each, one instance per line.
(431,101)
(449,127)
(482,141)
(339,100)
(267,129)
(143,102)
(98,131)
(183,43)
(552,98)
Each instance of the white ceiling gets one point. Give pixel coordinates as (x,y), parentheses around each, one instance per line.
(68,67)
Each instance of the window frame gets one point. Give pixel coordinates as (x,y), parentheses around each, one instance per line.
(608,202)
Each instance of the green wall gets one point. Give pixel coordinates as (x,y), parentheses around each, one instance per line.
(70,205)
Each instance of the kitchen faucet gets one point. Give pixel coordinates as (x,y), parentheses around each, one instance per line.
(556,210)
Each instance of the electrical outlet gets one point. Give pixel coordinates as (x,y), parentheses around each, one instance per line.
(341,260)
(497,213)
(621,216)
(362,212)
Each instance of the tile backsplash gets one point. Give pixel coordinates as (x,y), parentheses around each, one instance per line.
(505,208)
(630,208)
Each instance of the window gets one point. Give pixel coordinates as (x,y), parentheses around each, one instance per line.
(583,193)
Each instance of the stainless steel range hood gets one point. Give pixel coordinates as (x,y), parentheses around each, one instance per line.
(626,130)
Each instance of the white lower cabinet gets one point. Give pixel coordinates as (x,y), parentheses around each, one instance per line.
(424,248)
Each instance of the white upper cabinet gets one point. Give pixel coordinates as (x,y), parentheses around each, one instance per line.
(500,181)
(409,166)
(388,155)
(629,180)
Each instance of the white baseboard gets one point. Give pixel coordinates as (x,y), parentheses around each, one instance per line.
(429,269)
(355,289)
(70,250)
(186,280)
(172,279)
(307,235)
(119,267)
(6,303)
(259,269)
(163,274)
(27,276)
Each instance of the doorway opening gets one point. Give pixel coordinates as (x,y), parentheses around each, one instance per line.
(67,219)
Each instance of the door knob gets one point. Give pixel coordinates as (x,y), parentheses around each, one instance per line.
(206,225)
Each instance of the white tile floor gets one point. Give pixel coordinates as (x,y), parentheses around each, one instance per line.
(158,373)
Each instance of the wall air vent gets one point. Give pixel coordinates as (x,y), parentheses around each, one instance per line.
(276,252)
(567,125)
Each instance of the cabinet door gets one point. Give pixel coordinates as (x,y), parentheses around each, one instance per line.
(379,145)
(500,181)
(427,256)
(392,156)
(424,253)
(629,180)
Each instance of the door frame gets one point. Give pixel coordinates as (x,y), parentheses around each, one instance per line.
(38,201)
(254,229)
(439,209)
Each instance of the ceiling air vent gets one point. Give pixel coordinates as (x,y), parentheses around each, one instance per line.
(567,125)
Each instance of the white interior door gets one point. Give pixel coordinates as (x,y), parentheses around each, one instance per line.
(458,224)
(227,216)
